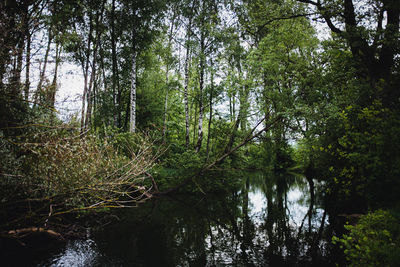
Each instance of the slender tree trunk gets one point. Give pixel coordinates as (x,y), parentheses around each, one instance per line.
(186,99)
(84,95)
(7,42)
(194,123)
(132,125)
(167,81)
(201,88)
(16,81)
(105,87)
(89,98)
(127,114)
(28,63)
(243,98)
(233,135)
(164,133)
(86,74)
(103,67)
(43,73)
(115,76)
(211,111)
(53,89)
(95,90)
(233,117)
(244,106)
(99,18)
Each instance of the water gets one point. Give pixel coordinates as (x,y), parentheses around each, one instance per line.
(265,223)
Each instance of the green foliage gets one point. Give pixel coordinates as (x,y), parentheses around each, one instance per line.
(189,160)
(373,241)
(358,156)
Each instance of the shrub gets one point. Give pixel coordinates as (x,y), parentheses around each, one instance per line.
(374,241)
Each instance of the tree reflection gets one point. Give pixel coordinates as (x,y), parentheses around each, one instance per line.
(223,229)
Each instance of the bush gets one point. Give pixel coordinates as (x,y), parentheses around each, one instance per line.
(374,241)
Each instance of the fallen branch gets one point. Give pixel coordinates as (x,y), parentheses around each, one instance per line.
(153,182)
(31,230)
(250,136)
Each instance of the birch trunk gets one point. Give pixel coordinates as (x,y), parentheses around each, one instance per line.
(167,81)
(201,88)
(186,100)
(201,109)
(115,80)
(211,113)
(85,75)
(132,120)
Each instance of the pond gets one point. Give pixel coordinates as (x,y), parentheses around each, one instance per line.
(273,220)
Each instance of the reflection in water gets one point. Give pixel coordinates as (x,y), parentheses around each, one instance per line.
(77,253)
(272,220)
(80,253)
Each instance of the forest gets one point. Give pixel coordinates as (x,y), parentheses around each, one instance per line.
(185,99)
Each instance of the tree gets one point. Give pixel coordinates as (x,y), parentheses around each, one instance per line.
(373,44)
(143,18)
(352,138)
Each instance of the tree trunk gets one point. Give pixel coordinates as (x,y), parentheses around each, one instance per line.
(28,63)
(16,80)
(115,75)
(99,18)
(243,97)
(231,141)
(132,121)
(230,109)
(164,134)
(43,73)
(250,136)
(211,112)
(53,88)
(186,100)
(194,121)
(244,106)
(103,68)
(201,88)
(86,74)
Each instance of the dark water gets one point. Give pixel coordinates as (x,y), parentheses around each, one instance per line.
(270,221)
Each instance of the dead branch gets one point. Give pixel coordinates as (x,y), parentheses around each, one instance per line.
(250,136)
(31,230)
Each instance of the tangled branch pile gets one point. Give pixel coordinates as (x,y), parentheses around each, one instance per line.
(55,173)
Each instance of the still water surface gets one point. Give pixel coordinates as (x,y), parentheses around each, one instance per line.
(265,223)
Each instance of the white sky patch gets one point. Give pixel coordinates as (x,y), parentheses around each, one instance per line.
(258,201)
(69,93)
(297,211)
